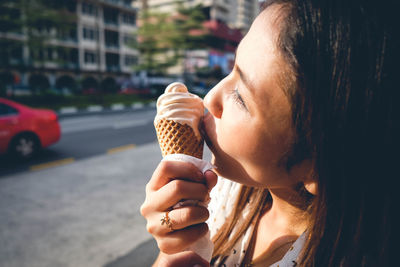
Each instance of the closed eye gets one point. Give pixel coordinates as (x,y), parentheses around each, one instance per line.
(238,98)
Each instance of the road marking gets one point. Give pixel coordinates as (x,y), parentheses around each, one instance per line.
(51,164)
(120,148)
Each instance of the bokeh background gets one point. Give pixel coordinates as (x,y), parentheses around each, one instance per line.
(78,85)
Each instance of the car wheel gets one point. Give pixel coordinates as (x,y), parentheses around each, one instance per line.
(24,146)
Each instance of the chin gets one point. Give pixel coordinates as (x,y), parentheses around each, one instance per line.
(229,168)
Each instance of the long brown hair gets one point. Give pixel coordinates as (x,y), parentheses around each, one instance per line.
(344,55)
(257,199)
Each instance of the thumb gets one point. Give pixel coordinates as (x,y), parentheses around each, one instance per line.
(211,179)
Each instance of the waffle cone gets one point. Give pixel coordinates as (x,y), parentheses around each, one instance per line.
(176,138)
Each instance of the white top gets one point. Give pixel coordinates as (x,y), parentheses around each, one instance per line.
(223,197)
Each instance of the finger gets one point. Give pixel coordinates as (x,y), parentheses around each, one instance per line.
(182,259)
(171,194)
(175,191)
(211,179)
(187,216)
(178,220)
(180,240)
(169,170)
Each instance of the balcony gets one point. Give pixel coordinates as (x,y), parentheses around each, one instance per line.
(112,46)
(70,66)
(109,22)
(16,61)
(125,4)
(113,68)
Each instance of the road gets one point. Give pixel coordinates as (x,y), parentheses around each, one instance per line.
(90,135)
(78,203)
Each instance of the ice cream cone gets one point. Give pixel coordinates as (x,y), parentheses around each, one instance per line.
(178,116)
(176,138)
(177,124)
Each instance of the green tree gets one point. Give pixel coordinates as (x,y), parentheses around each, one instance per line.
(164,38)
(155,34)
(189,24)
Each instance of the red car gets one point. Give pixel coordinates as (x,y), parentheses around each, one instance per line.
(25,130)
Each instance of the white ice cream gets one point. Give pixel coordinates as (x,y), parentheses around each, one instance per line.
(178,105)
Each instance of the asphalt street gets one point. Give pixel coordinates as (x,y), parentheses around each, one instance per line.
(90,135)
(77,203)
(85,213)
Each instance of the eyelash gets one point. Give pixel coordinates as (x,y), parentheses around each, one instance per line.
(238,98)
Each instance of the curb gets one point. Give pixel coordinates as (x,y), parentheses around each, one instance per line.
(97,109)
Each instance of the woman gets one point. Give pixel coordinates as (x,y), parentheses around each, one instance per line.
(305,127)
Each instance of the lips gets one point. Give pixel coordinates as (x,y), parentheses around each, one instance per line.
(206,124)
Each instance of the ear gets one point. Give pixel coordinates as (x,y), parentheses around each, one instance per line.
(310,179)
(306,170)
(311,187)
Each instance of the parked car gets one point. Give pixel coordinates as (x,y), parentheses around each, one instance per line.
(25,130)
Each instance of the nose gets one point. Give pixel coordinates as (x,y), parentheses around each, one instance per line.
(213,101)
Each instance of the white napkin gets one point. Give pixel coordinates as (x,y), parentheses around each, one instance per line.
(204,246)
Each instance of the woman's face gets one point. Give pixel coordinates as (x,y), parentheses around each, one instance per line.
(249,120)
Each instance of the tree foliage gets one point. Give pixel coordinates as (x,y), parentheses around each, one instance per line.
(155,35)
(163,38)
(189,22)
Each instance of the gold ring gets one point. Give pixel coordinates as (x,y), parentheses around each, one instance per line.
(166,220)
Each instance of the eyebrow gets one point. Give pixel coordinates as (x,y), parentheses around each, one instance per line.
(244,78)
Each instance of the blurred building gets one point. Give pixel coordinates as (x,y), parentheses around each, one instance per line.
(94,53)
(227,22)
(237,14)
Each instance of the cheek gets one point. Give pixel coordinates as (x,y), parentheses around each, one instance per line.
(250,152)
(233,130)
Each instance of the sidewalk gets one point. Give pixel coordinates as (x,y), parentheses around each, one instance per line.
(96,109)
(84,214)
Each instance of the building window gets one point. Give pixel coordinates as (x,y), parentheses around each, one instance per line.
(128,3)
(16,51)
(111,16)
(129,40)
(49,54)
(90,57)
(129,19)
(111,39)
(89,9)
(130,60)
(90,34)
